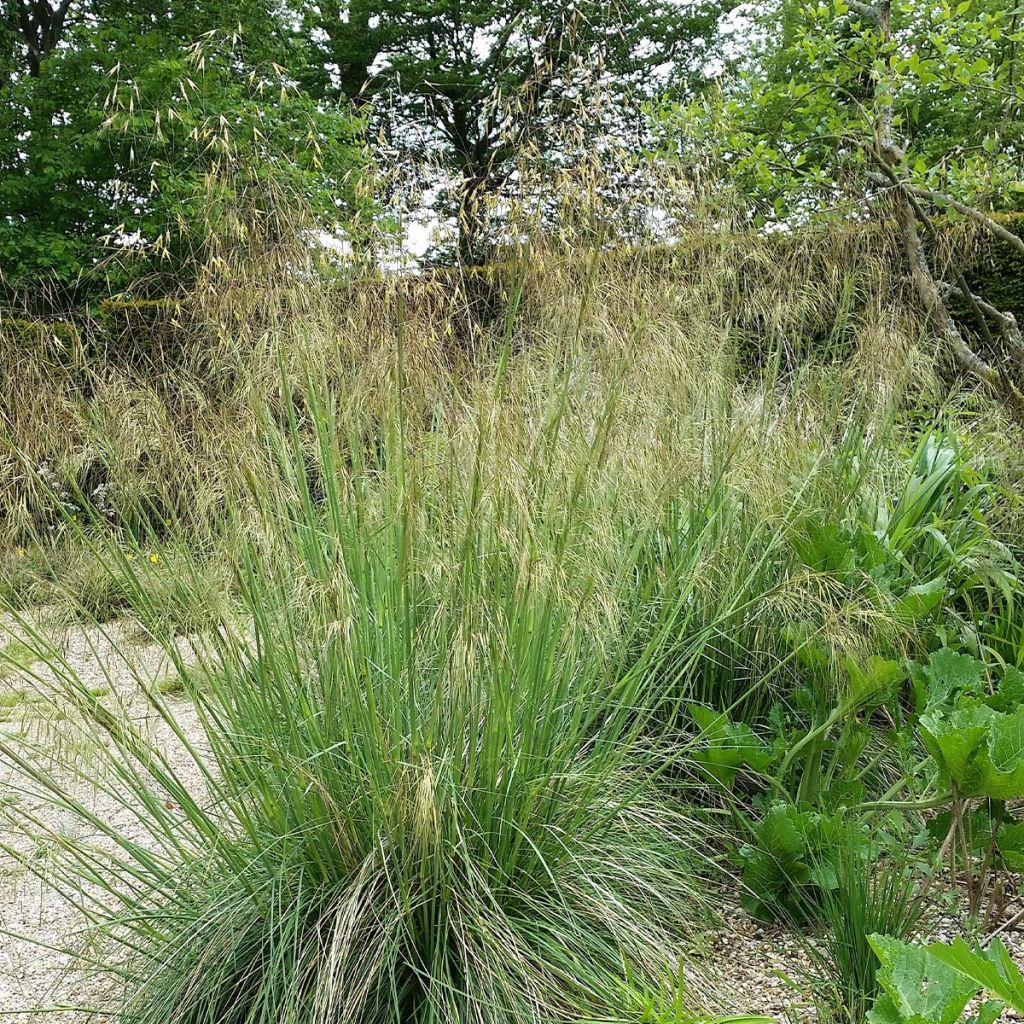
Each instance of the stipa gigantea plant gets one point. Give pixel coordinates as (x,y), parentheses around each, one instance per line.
(419,792)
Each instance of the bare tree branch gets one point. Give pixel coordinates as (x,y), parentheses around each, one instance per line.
(941,199)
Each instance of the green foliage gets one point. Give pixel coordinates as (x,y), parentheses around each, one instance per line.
(424,797)
(994,969)
(918,988)
(820,743)
(14,657)
(976,737)
(477,86)
(997,269)
(58,339)
(975,734)
(135,126)
(934,984)
(664,1004)
(790,129)
(790,861)
(135,331)
(939,522)
(133,141)
(724,747)
(872,896)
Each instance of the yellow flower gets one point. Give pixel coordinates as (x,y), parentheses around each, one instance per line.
(154,558)
(129,556)
(21,552)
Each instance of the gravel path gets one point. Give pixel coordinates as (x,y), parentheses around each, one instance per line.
(765,966)
(32,976)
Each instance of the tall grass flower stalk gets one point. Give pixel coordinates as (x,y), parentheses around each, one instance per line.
(420,792)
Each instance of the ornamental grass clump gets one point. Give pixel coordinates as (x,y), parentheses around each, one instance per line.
(419,792)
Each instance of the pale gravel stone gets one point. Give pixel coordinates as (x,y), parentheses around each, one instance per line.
(32,976)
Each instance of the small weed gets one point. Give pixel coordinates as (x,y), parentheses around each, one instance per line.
(16,657)
(169,684)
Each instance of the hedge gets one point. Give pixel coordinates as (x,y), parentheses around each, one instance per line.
(130,330)
(997,270)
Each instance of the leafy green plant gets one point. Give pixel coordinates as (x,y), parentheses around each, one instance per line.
(821,759)
(940,523)
(992,969)
(724,747)
(933,984)
(975,734)
(918,988)
(810,763)
(789,861)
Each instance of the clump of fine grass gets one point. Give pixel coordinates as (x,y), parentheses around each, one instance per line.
(423,794)
(871,896)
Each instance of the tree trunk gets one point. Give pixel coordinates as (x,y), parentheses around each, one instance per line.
(888,155)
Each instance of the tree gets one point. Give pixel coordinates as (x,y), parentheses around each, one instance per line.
(42,28)
(898,107)
(476,81)
(789,126)
(112,135)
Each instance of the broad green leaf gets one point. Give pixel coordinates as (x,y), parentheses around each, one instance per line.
(1011,845)
(921,600)
(727,746)
(992,969)
(949,673)
(955,738)
(1010,694)
(873,682)
(920,988)
(1003,768)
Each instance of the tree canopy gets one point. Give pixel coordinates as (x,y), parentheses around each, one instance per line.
(119,120)
(788,128)
(474,82)
(116,117)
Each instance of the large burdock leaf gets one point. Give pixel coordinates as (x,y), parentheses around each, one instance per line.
(992,969)
(946,675)
(956,738)
(977,738)
(1003,768)
(917,988)
(1010,694)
